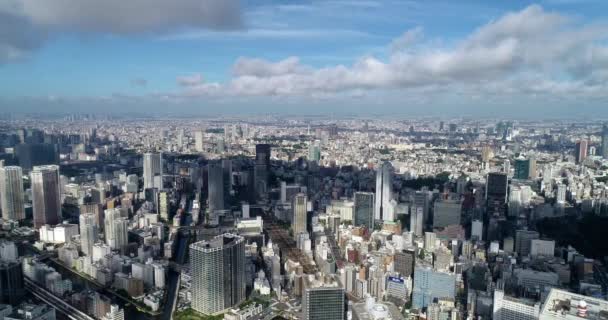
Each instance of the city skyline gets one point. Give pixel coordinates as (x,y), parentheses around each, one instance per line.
(474,58)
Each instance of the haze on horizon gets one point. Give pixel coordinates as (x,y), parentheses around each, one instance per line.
(476,58)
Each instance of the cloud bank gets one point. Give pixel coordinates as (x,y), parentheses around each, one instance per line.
(532,51)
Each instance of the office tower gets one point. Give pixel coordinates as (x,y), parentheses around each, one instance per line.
(322,299)
(298,206)
(198,141)
(163,205)
(46,197)
(540,247)
(364,209)
(96,209)
(153,170)
(580,151)
(227,178)
(429,241)
(404,262)
(496,194)
(180,139)
(116,228)
(430,285)
(523,241)
(507,308)
(115,313)
(477,229)
(11,193)
(561,193)
(36,154)
(215,185)
(523,169)
(417,220)
(384,188)
(11,282)
(89,232)
(261,169)
(314,151)
(217,268)
(604,141)
(446,213)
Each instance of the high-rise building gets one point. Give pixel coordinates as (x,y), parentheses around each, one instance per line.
(11,193)
(507,308)
(215,187)
(417,220)
(523,241)
(116,228)
(314,151)
(496,194)
(404,262)
(299,207)
(46,195)
(322,299)
(198,141)
(89,232)
(580,151)
(115,313)
(262,169)
(384,188)
(430,285)
(153,170)
(217,268)
(446,213)
(604,141)
(11,282)
(364,209)
(525,168)
(36,154)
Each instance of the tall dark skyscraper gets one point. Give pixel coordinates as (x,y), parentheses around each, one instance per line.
(11,282)
(605,141)
(580,151)
(384,188)
(405,262)
(36,154)
(364,209)
(261,169)
(46,195)
(216,190)
(496,194)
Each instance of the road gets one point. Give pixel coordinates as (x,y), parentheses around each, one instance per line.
(54,301)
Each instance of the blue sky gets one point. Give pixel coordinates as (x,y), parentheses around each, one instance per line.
(276,55)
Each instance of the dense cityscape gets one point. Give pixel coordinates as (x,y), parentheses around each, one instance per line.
(275,217)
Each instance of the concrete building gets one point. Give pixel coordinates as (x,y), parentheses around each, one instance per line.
(509,308)
(46,195)
(364,209)
(430,285)
(384,189)
(299,208)
(446,213)
(322,299)
(218,273)
(11,193)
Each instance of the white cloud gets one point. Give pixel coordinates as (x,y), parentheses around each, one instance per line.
(190,80)
(552,53)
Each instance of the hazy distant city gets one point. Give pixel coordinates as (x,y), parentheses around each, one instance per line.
(303,160)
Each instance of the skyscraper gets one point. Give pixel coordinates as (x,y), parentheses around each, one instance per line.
(215,187)
(89,232)
(496,194)
(430,285)
(299,213)
(322,299)
(46,195)
(364,209)
(11,282)
(198,141)
(580,151)
(116,228)
(11,193)
(384,188)
(218,273)
(261,169)
(36,154)
(153,170)
(605,141)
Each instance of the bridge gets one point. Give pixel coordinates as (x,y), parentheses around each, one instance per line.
(52,300)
